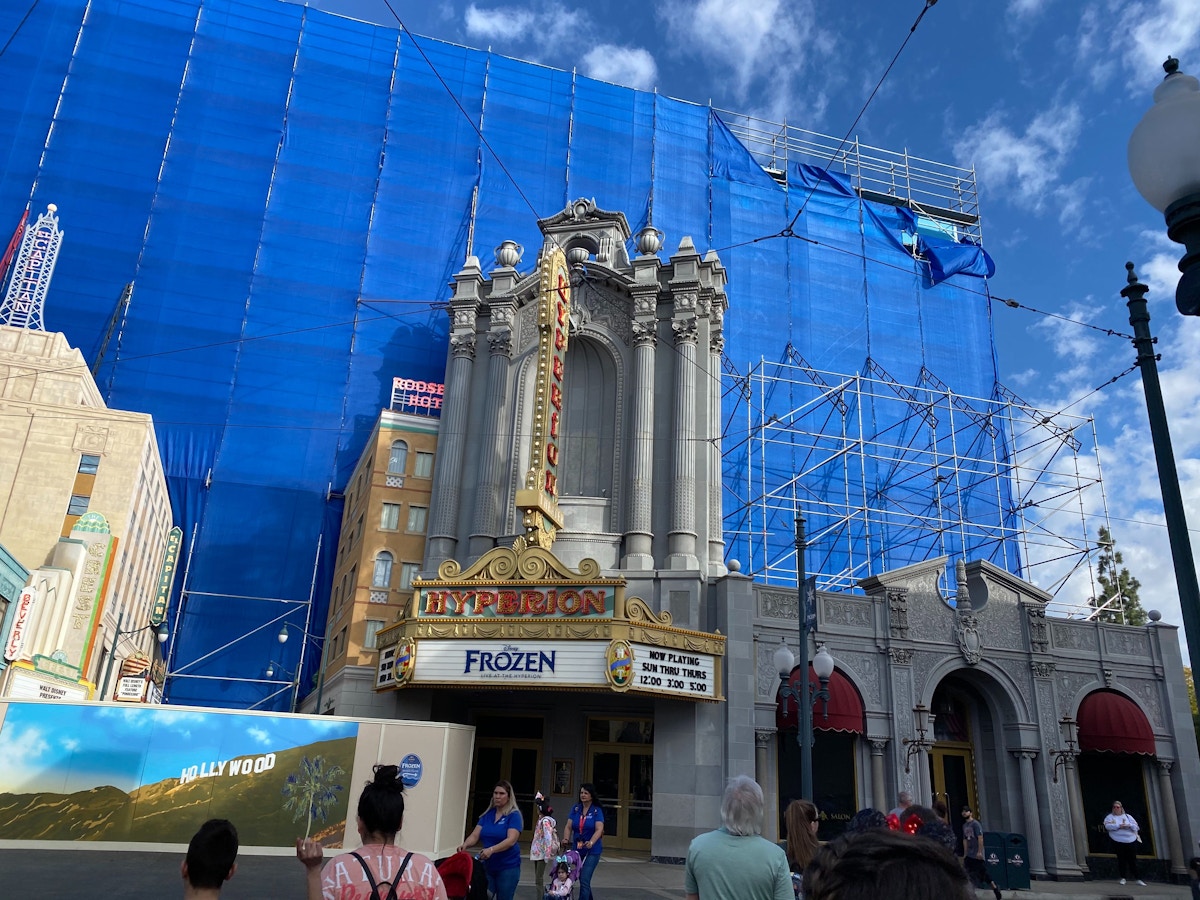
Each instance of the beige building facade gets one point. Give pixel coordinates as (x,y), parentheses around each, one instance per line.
(380,550)
(83,507)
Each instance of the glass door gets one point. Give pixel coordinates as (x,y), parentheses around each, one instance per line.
(952,774)
(621,766)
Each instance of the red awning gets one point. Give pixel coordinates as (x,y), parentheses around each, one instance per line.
(1112,722)
(845,706)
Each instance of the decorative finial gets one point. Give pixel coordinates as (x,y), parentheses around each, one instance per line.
(1131,278)
(51,208)
(963,600)
(1171,66)
(649,240)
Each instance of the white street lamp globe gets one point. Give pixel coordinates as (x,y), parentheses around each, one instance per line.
(823,664)
(1164,149)
(283,635)
(785,660)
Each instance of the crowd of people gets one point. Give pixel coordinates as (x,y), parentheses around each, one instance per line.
(911,853)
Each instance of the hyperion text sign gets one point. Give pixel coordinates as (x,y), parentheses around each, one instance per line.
(518,601)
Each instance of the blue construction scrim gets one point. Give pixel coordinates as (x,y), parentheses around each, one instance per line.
(290,193)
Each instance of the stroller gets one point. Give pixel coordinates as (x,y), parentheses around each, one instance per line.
(464,879)
(573,861)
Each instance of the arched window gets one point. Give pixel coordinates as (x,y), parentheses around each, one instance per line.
(382,575)
(588,443)
(398,460)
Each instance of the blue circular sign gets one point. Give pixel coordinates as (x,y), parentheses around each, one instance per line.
(411,770)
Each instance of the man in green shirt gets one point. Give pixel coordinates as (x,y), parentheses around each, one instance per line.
(736,862)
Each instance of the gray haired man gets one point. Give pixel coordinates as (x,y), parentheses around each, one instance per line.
(736,862)
(905,800)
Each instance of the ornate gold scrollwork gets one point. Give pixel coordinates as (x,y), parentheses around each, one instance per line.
(638,610)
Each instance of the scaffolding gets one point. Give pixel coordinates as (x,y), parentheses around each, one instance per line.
(940,191)
(889,474)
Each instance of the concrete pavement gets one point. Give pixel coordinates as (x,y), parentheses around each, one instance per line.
(139,875)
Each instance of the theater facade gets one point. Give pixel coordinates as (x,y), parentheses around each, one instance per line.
(576,607)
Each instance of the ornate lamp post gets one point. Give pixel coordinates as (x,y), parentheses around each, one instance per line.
(806,695)
(1164,162)
(922,725)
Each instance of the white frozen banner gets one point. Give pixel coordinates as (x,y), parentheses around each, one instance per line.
(512,662)
(667,671)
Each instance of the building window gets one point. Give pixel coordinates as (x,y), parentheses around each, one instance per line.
(382,575)
(389,519)
(88,464)
(398,459)
(408,571)
(369,639)
(416,518)
(79,505)
(423,467)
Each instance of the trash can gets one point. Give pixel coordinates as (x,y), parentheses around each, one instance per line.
(1016,861)
(995,846)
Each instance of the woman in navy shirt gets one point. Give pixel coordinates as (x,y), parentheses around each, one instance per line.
(498,830)
(586,820)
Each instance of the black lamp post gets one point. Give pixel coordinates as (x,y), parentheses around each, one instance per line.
(1168,478)
(1164,162)
(806,695)
(160,632)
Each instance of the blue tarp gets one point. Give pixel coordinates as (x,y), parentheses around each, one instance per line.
(290,193)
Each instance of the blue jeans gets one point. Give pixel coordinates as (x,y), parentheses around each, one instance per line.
(585,875)
(503,884)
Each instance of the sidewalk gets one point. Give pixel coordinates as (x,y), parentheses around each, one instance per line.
(135,875)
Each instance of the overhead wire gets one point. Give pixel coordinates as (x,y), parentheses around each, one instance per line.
(20,25)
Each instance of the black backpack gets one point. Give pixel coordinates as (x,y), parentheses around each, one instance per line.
(391,894)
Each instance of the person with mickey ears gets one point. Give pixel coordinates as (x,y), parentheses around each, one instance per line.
(380,869)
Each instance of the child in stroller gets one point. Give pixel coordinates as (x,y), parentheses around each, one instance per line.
(560,887)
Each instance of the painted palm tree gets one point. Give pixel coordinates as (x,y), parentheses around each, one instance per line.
(311,790)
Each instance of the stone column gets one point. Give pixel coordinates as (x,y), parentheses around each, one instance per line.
(443,520)
(766,773)
(681,542)
(1075,806)
(924,791)
(716,525)
(488,491)
(879,794)
(1171,817)
(639,534)
(1029,802)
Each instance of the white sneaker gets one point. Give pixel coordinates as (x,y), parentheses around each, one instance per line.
(1142,883)
(1122,881)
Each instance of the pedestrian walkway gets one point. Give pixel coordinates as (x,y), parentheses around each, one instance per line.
(136,875)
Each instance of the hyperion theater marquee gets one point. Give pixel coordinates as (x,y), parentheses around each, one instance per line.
(520,619)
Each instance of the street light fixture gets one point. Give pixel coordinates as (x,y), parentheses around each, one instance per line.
(1070,733)
(1164,163)
(160,632)
(806,696)
(922,725)
(1164,456)
(282,637)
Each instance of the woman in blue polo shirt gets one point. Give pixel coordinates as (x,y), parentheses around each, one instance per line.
(498,831)
(586,821)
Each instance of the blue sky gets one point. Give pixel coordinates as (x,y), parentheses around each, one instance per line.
(65,748)
(1039,96)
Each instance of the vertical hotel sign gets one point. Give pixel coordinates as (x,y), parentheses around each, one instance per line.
(20,624)
(166,576)
(538,501)
(23,303)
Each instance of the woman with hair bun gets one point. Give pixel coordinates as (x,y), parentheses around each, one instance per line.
(380,869)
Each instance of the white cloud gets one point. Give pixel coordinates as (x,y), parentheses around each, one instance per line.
(259,734)
(629,66)
(1147,32)
(23,745)
(1025,8)
(765,46)
(1027,165)
(499,23)
(542,32)
(69,744)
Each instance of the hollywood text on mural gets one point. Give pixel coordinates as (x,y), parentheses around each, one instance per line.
(245,765)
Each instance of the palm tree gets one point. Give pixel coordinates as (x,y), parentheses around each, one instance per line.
(311,790)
